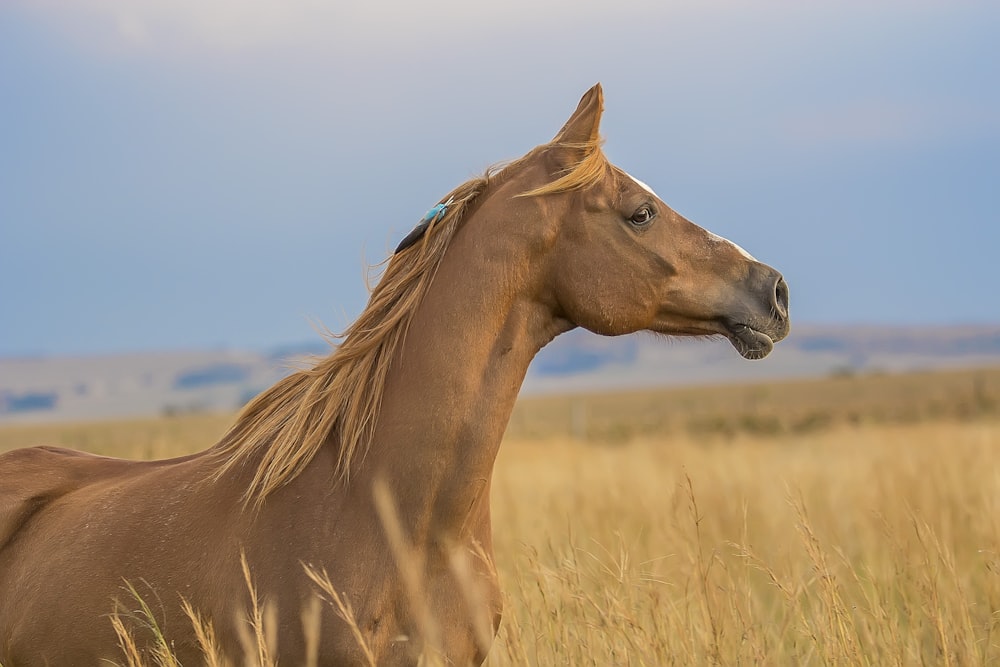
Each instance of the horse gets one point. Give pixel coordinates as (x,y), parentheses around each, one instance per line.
(363,480)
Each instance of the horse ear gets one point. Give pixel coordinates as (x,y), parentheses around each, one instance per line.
(583,127)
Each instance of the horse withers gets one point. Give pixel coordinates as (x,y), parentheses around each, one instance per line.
(371,470)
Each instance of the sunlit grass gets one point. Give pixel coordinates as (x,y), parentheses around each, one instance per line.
(864,542)
(858,546)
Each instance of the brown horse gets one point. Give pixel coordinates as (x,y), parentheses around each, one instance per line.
(373,466)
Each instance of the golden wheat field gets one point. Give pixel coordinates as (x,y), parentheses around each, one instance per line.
(846,521)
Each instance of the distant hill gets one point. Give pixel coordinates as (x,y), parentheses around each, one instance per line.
(100,387)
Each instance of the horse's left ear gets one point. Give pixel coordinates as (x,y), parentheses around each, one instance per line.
(583,127)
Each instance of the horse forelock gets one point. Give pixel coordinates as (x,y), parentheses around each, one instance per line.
(338,400)
(591,169)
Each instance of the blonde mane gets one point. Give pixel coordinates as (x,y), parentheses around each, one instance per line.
(584,174)
(339,399)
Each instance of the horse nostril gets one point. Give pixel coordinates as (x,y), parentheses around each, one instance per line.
(781,298)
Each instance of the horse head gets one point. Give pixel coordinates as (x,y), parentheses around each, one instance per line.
(617,259)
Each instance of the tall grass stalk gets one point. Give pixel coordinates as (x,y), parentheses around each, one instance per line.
(874,540)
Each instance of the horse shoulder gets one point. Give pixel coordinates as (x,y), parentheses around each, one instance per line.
(33,477)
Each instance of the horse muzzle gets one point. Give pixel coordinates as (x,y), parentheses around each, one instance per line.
(761,318)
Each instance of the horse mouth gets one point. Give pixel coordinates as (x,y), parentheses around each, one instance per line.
(749,342)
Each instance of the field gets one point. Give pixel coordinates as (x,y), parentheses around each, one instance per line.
(851,520)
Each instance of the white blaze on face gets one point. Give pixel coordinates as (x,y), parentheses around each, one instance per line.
(641,184)
(713,237)
(719,239)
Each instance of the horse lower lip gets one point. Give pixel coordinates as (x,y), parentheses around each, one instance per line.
(750,343)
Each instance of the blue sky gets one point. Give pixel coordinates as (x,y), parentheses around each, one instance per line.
(192,173)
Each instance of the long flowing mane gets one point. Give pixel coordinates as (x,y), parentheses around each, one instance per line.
(338,400)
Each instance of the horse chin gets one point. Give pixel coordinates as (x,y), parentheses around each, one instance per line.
(750,343)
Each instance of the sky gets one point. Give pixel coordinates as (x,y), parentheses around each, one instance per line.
(218,173)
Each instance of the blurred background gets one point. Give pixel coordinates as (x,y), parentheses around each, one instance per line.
(188,187)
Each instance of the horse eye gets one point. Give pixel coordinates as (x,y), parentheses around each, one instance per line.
(642,216)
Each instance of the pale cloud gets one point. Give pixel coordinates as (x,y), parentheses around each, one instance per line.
(195,27)
(177,26)
(239,26)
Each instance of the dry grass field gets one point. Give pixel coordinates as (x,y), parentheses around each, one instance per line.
(846,521)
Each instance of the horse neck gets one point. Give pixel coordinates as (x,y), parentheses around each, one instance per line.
(454,383)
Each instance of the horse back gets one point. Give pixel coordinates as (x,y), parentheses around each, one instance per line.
(32,478)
